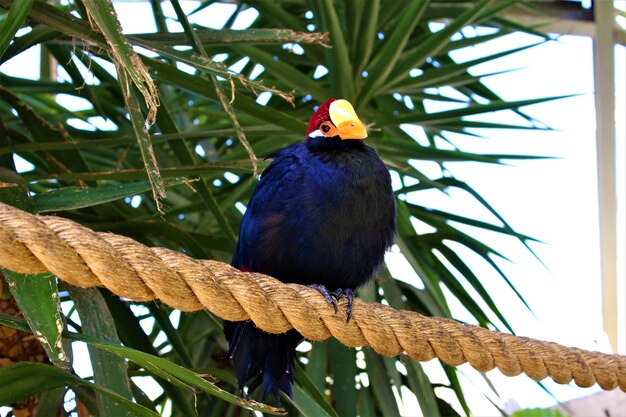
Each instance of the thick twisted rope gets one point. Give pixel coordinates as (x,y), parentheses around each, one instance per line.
(33,244)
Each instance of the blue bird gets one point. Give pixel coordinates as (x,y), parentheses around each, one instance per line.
(322,215)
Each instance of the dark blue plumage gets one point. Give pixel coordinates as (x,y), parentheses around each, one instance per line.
(322,213)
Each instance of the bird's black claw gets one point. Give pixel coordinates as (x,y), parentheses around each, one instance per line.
(333,297)
(322,289)
(347,292)
(350,296)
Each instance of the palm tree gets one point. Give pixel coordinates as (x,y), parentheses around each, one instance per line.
(216,103)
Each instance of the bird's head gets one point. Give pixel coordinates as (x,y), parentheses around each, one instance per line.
(336,119)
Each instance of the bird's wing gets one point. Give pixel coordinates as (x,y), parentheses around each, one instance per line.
(276,191)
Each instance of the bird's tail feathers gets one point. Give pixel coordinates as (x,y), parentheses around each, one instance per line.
(262,359)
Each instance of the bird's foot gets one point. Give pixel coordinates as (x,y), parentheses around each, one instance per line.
(333,297)
(345,292)
(327,296)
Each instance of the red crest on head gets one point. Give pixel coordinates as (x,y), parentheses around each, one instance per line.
(321,115)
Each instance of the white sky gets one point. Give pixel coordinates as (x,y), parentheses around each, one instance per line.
(552,200)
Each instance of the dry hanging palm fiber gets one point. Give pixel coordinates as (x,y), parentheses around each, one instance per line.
(82,257)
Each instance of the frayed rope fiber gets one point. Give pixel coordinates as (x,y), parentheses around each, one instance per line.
(32,244)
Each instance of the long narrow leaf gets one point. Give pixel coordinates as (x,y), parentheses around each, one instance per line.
(436,42)
(249,37)
(367,35)
(109,370)
(454,115)
(184,377)
(128,63)
(380,385)
(38,298)
(12,22)
(158,366)
(70,198)
(343,368)
(340,65)
(384,63)
(27,378)
(303,379)
(306,405)
(143,139)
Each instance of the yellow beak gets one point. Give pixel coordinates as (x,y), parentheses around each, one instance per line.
(346,121)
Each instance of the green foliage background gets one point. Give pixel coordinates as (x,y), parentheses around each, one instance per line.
(375,51)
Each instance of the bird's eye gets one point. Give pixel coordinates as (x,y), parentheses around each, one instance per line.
(325,128)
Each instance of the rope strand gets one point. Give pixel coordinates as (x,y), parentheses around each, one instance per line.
(32,244)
